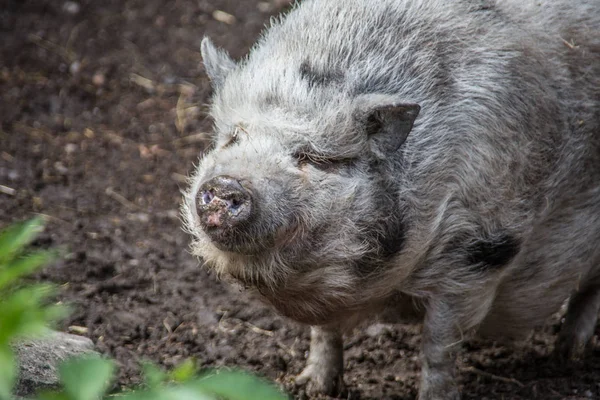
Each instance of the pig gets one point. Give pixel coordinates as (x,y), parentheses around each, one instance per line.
(440,159)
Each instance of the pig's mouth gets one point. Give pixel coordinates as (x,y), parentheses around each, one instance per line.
(251,237)
(248,243)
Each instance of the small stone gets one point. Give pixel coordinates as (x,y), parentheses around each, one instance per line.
(38,360)
(79,330)
(224,17)
(98,79)
(139,217)
(75,67)
(264,6)
(148,178)
(71,7)
(60,168)
(169,79)
(172,214)
(70,148)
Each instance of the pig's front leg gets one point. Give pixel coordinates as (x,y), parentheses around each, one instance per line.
(324,369)
(440,340)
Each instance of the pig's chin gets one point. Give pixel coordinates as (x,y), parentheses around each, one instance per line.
(241,248)
(284,274)
(256,243)
(227,240)
(317,303)
(312,295)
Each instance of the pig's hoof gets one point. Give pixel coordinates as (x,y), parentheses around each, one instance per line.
(571,348)
(317,380)
(438,390)
(439,395)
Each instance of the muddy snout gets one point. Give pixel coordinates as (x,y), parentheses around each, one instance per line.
(223,204)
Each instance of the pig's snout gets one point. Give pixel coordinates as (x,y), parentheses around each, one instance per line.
(222,203)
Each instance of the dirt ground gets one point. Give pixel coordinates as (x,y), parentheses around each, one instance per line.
(102,113)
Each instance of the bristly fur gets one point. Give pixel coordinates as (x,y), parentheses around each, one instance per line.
(491,205)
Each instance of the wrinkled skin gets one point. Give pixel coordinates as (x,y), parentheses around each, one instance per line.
(440,160)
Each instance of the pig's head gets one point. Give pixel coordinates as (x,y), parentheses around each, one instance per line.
(296,198)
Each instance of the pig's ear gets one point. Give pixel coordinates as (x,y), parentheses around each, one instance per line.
(388,123)
(218,63)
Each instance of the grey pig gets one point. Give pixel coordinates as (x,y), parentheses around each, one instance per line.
(440,158)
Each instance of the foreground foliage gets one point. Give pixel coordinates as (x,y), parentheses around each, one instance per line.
(26,310)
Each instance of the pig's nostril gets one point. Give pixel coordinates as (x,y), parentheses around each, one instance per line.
(222,203)
(207,196)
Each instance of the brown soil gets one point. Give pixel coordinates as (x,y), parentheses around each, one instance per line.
(102,115)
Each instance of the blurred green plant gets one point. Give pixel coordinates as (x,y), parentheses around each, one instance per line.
(25,310)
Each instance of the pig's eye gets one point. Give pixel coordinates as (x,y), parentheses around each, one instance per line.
(323,163)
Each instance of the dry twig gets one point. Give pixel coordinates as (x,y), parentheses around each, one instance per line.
(195,138)
(570,44)
(139,80)
(494,376)
(121,199)
(7,190)
(67,55)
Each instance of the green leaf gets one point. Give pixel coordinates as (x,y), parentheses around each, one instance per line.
(54,313)
(48,395)
(86,378)
(183,372)
(185,393)
(153,376)
(8,372)
(14,238)
(24,266)
(238,385)
(23,313)
(169,393)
